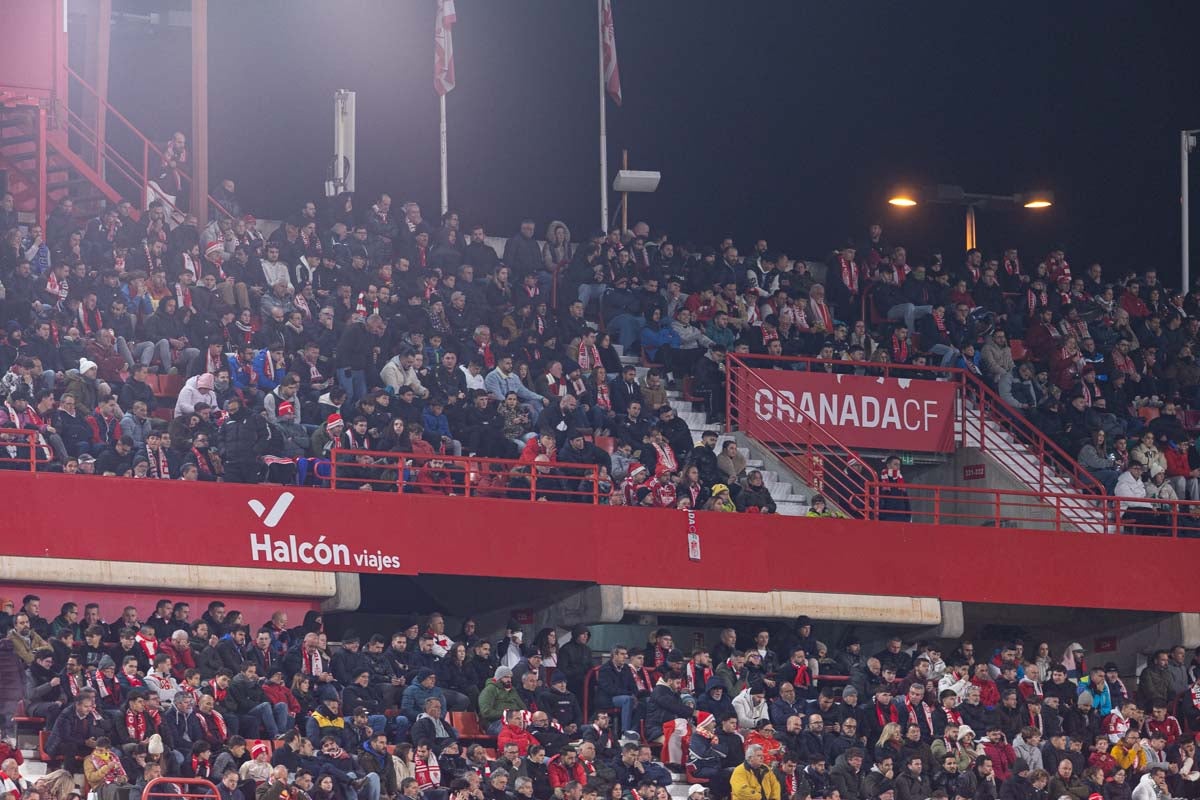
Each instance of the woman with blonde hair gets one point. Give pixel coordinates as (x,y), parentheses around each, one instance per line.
(57,785)
(890,742)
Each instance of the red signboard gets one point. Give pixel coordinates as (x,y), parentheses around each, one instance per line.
(974,472)
(67,516)
(861,411)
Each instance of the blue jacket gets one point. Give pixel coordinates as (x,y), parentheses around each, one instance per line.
(259,363)
(412,704)
(653,339)
(435,424)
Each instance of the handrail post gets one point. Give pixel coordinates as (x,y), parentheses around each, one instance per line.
(144,200)
(595,485)
(730,369)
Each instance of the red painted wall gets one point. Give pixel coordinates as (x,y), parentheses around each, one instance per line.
(27,57)
(111,518)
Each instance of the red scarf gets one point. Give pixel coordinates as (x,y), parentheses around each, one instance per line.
(1035,300)
(899,349)
(603,399)
(589,356)
(203,464)
(849,274)
(427,773)
(217,692)
(149,646)
(801,677)
(314,662)
(106,687)
(1012,266)
(912,713)
(217,721)
(135,724)
(556,387)
(666,457)
(939,320)
(822,311)
(197,766)
(90,321)
(892,714)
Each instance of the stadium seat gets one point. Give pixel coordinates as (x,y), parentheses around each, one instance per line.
(606,443)
(43,736)
(468,727)
(1018,349)
(1148,413)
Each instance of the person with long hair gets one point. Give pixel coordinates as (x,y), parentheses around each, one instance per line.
(890,742)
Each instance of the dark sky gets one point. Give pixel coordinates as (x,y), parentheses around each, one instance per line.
(788,120)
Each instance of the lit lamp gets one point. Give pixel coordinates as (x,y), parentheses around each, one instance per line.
(949,194)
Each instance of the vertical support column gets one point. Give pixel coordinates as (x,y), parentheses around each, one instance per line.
(200,110)
(103,25)
(42,156)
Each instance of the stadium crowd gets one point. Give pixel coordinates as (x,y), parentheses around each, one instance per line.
(274,709)
(374,329)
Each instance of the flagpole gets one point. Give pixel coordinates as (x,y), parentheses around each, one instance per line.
(445,186)
(603,120)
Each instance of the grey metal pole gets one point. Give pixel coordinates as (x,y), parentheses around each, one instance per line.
(1186,142)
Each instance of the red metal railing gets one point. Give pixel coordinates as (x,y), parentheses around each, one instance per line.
(168,789)
(984,421)
(22,449)
(827,466)
(1029,510)
(465,476)
(120,152)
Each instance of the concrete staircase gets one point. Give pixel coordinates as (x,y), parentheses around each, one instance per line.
(790,496)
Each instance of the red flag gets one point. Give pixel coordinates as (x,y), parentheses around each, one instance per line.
(608,45)
(443,43)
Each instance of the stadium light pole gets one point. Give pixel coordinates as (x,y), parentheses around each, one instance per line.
(1187,143)
(949,194)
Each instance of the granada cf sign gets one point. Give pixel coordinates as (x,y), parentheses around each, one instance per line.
(861,411)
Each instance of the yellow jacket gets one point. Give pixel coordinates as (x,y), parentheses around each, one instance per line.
(1129,760)
(745,785)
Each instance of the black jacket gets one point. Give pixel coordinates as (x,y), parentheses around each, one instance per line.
(243,438)
(663,705)
(610,683)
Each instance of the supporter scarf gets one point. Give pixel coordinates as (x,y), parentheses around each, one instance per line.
(361,306)
(768,336)
(849,274)
(106,687)
(245,330)
(183,296)
(821,310)
(1035,300)
(899,349)
(666,456)
(1035,721)
(1078,329)
(1012,266)
(557,387)
(953,716)
(75,684)
(200,766)
(603,399)
(801,676)
(974,273)
(891,715)
(357,442)
(134,681)
(55,287)
(135,725)
(90,321)
(1123,363)
(158,464)
(216,721)
(925,712)
(939,320)
(217,692)
(269,367)
(191,266)
(486,355)
(588,356)
(203,462)
(149,646)
(694,685)
(952,745)
(314,663)
(578,387)
(642,679)
(789,782)
(428,773)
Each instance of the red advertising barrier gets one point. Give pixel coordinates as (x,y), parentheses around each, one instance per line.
(862,411)
(112,519)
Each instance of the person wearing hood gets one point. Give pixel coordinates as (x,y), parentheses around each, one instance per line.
(422,688)
(847,774)
(498,695)
(242,442)
(575,659)
(560,703)
(327,719)
(716,699)
(751,706)
(165,332)
(556,252)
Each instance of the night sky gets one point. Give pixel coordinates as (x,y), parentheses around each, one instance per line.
(786,120)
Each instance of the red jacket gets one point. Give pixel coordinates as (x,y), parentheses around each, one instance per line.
(514,734)
(181,658)
(1002,756)
(279,693)
(560,775)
